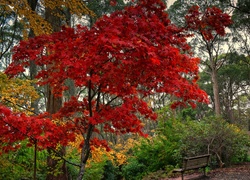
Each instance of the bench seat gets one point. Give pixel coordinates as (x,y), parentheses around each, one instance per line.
(192,163)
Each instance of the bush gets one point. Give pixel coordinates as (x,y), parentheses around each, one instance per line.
(111,172)
(103,165)
(134,170)
(95,171)
(176,138)
(19,164)
(226,142)
(155,153)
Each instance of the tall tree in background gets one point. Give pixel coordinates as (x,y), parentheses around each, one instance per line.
(52,16)
(208,23)
(232,89)
(234,81)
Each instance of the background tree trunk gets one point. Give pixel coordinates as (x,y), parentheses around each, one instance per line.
(216,92)
(53,105)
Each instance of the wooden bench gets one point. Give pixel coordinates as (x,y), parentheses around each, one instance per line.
(192,163)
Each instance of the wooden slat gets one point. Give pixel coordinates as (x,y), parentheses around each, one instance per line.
(195,162)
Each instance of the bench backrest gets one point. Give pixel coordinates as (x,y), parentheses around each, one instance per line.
(196,162)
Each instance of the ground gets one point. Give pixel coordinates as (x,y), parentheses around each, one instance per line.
(235,172)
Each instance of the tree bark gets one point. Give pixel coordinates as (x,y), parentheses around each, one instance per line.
(85,152)
(216,92)
(54,165)
(53,105)
(86,146)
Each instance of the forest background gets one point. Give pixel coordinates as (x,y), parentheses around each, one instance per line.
(219,128)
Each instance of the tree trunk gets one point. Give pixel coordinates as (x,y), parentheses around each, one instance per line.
(53,105)
(57,169)
(216,92)
(229,103)
(85,152)
(86,146)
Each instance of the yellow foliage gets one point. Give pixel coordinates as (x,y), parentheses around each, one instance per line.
(77,142)
(121,150)
(31,19)
(234,128)
(118,155)
(17,93)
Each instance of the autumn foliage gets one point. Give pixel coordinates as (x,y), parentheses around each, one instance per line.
(33,20)
(123,58)
(38,129)
(209,23)
(17,93)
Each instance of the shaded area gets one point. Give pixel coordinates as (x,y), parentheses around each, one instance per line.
(235,172)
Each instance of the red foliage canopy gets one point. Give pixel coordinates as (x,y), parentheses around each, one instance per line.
(126,55)
(212,20)
(39,129)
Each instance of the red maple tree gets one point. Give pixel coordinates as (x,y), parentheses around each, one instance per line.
(209,23)
(123,58)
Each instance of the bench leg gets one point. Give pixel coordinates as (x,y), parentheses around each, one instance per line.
(182,175)
(204,171)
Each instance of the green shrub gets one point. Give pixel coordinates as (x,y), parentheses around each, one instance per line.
(156,153)
(133,170)
(19,164)
(95,171)
(110,171)
(226,142)
(103,170)
(175,139)
(73,156)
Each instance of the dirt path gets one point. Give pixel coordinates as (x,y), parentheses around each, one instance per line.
(236,172)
